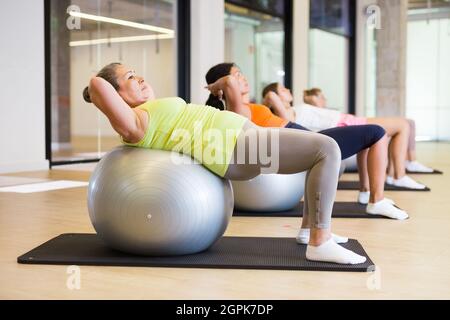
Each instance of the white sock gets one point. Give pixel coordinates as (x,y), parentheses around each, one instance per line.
(330,251)
(416,166)
(407,182)
(303,237)
(386,208)
(390,180)
(363,197)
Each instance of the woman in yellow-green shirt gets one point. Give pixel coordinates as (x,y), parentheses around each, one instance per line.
(227,144)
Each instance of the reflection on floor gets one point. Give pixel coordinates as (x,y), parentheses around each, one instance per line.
(86,148)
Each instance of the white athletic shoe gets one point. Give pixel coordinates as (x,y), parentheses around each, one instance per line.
(415,166)
(407,182)
(387,209)
(330,251)
(389,180)
(303,237)
(363,197)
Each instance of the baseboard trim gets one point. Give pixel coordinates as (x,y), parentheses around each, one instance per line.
(24,166)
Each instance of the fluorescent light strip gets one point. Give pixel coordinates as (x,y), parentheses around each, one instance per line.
(120,22)
(120,39)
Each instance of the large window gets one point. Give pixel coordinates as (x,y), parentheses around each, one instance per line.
(85,35)
(328,66)
(428,74)
(255,39)
(331,51)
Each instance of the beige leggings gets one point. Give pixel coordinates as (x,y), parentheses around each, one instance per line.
(298,151)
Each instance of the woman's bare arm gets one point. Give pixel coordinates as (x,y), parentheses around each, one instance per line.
(123,119)
(274,102)
(229,86)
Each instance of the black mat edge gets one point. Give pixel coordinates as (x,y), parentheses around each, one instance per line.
(435,172)
(299,213)
(368,266)
(387,187)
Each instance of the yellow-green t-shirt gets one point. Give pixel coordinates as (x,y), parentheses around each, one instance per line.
(202,132)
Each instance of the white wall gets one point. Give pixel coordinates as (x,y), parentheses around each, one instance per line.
(207,43)
(22,93)
(300,38)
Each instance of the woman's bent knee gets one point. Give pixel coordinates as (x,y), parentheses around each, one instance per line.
(377,132)
(330,148)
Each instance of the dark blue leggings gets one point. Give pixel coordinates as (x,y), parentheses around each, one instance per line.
(351,139)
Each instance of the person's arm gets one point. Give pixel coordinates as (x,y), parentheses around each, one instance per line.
(229,87)
(274,102)
(292,114)
(122,117)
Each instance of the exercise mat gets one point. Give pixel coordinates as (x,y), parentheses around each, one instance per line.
(354,185)
(340,210)
(226,253)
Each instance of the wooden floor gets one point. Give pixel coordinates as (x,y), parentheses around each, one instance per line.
(413,256)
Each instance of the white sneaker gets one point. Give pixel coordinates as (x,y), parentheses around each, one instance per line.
(364,198)
(330,251)
(389,180)
(303,237)
(387,209)
(415,166)
(407,182)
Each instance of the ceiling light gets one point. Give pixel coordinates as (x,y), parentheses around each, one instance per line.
(120,40)
(120,22)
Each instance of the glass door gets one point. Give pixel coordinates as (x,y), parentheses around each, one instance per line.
(332,51)
(428,74)
(255,39)
(84,36)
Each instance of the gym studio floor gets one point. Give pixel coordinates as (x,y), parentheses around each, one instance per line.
(413,257)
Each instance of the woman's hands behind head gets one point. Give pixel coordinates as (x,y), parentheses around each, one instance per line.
(271,99)
(222,86)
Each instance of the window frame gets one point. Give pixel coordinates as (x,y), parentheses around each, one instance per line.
(183,48)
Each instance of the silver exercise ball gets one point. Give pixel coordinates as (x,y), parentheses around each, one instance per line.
(269,192)
(351,163)
(342,169)
(140,201)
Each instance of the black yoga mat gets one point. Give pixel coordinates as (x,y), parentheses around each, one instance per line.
(352,170)
(354,185)
(340,210)
(226,253)
(434,172)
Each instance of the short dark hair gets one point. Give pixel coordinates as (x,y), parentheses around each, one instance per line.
(273,87)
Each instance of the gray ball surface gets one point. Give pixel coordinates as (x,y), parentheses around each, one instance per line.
(269,192)
(141,202)
(351,163)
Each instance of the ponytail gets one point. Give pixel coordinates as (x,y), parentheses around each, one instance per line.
(109,74)
(86,95)
(215,73)
(215,102)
